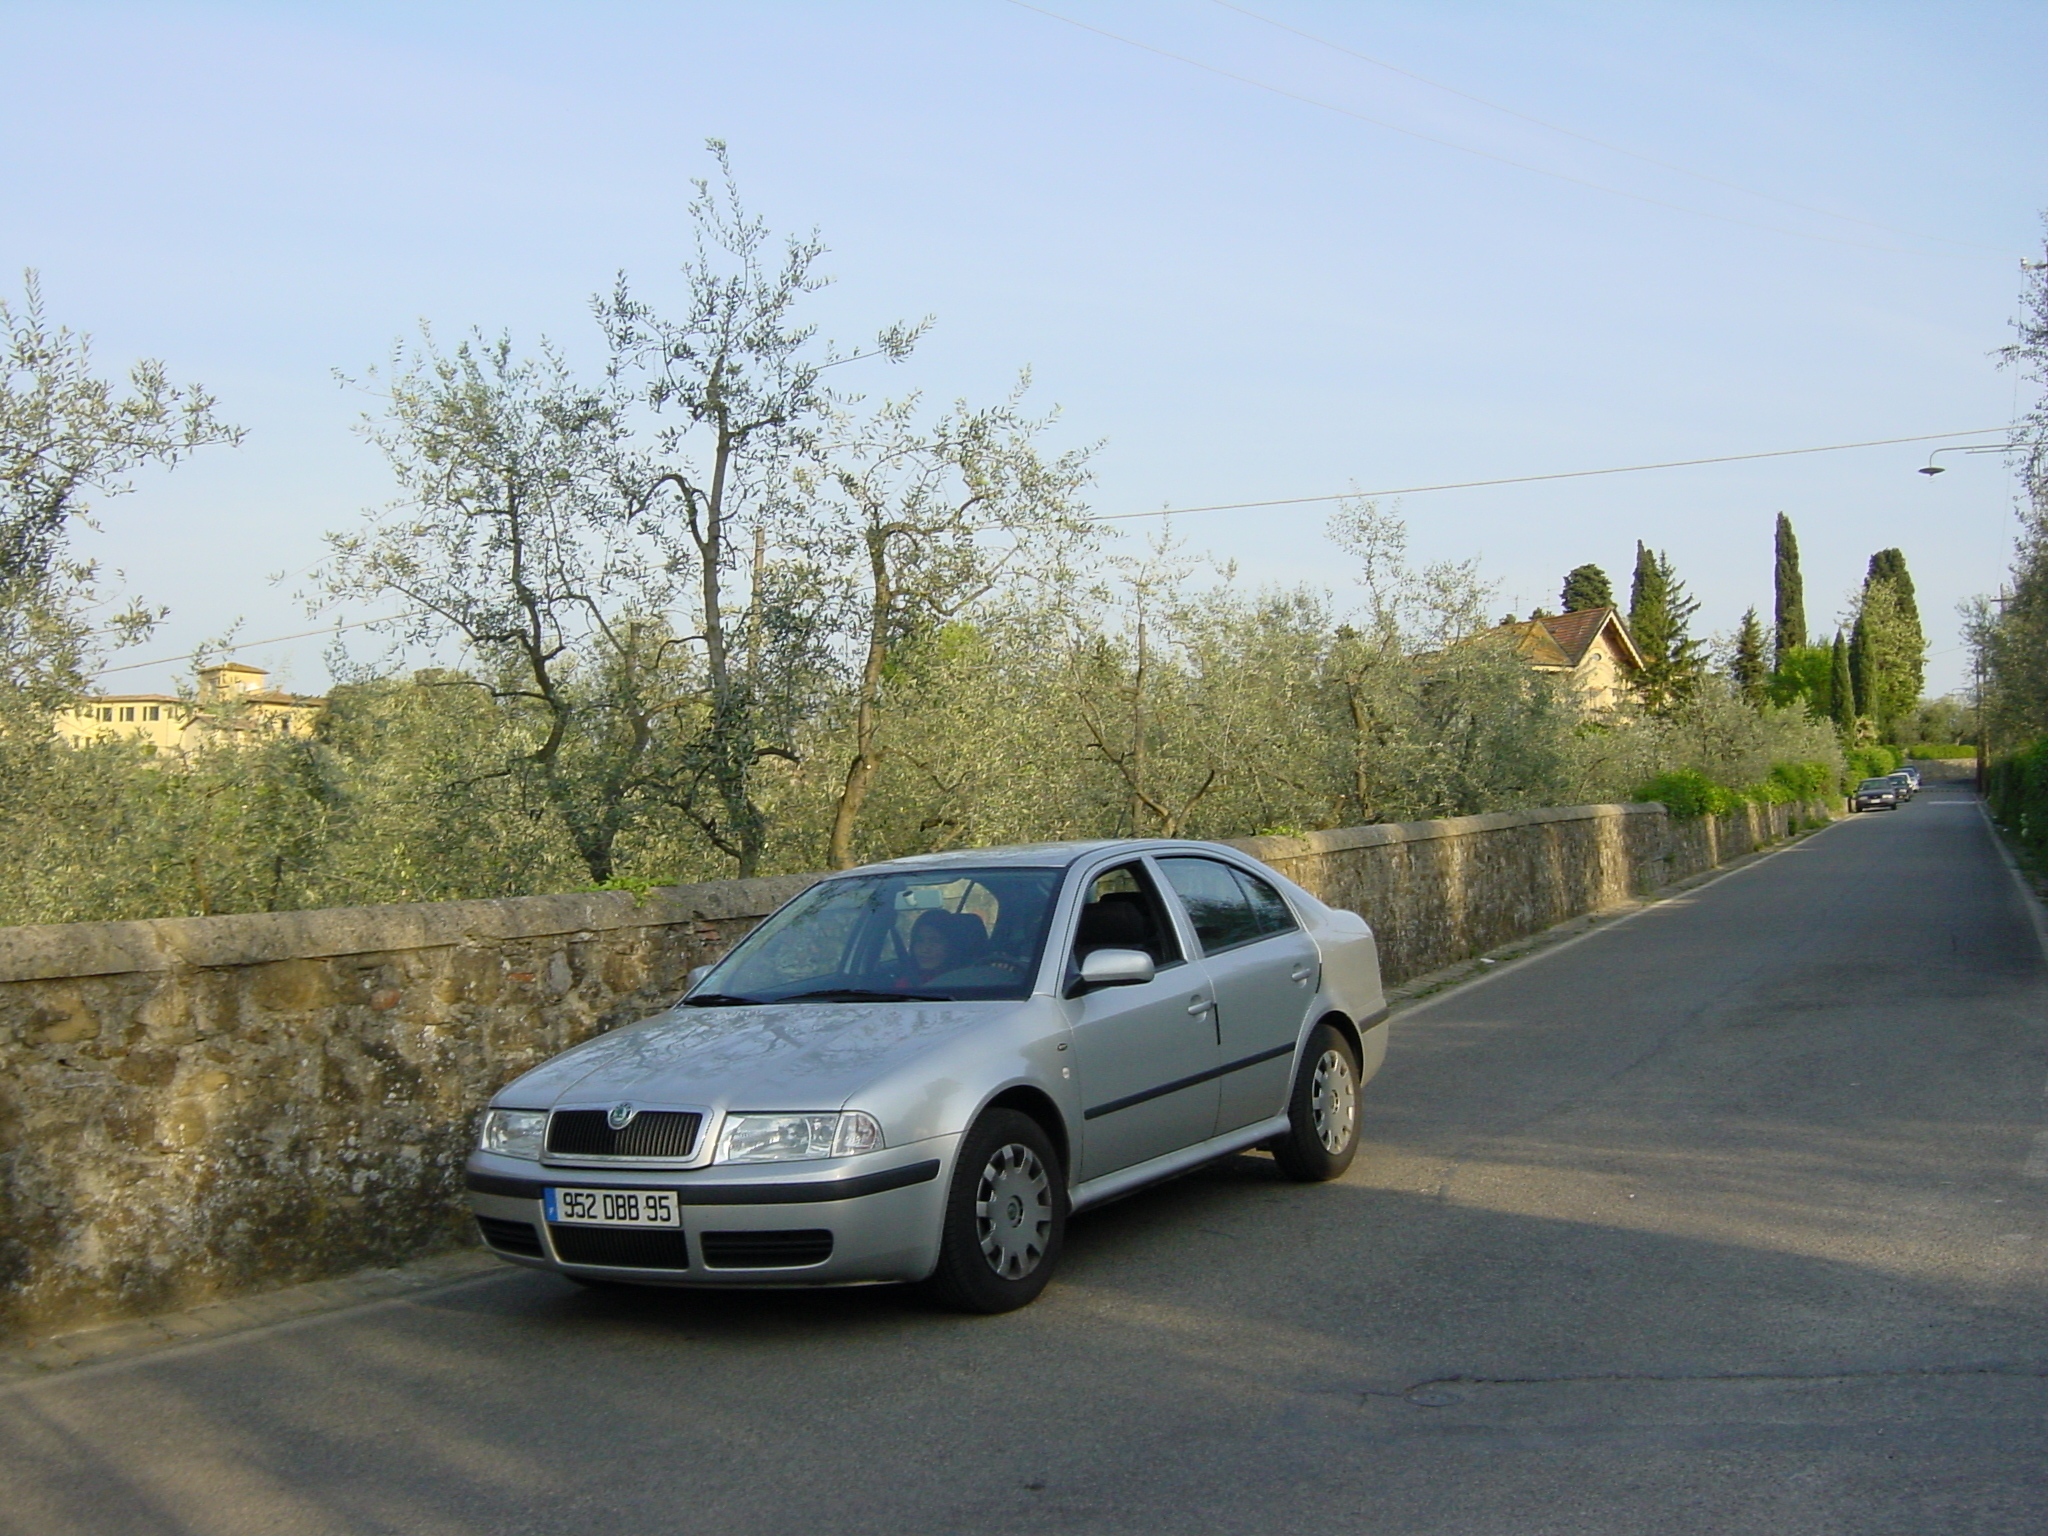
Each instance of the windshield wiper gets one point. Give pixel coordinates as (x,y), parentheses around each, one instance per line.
(856,995)
(718,1000)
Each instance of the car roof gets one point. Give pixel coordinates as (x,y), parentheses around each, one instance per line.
(1039,855)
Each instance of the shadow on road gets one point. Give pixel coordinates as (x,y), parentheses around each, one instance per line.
(1231,1352)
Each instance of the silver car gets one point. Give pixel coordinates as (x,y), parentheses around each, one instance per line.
(915,1071)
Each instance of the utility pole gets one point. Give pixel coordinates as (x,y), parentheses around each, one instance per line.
(1984,715)
(1978,662)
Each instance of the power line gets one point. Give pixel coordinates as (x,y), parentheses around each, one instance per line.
(1587,138)
(304,634)
(1240,506)
(1568,474)
(1484,154)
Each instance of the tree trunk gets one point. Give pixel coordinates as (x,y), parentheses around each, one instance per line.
(1137,774)
(732,746)
(867,721)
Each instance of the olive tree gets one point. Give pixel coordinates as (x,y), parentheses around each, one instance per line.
(1438,715)
(585,540)
(915,524)
(66,435)
(736,390)
(515,535)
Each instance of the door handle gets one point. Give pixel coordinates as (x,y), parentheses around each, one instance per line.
(1304,973)
(1199,1006)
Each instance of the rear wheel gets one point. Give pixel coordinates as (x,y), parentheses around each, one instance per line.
(1322,1111)
(1006,1217)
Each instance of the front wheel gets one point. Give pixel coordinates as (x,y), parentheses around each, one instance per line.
(1006,1217)
(1322,1111)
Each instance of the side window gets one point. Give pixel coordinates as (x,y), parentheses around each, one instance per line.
(1270,912)
(1217,903)
(1123,911)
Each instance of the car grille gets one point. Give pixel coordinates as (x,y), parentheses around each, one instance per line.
(620,1247)
(511,1236)
(667,1133)
(764,1250)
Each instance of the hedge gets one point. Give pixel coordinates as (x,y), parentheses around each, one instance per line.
(1871,762)
(1686,792)
(2017,788)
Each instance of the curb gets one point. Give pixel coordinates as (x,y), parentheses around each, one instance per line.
(43,1358)
(1429,988)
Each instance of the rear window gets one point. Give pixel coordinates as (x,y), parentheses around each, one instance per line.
(1227,906)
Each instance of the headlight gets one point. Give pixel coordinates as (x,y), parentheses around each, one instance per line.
(788,1138)
(512,1132)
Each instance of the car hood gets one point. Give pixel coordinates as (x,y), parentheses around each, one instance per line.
(777,1056)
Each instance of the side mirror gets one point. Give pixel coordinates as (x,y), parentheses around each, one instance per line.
(697,974)
(1113,968)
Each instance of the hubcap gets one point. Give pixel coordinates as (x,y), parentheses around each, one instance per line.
(1013,1211)
(1333,1101)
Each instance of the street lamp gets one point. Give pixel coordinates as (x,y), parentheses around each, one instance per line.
(1932,468)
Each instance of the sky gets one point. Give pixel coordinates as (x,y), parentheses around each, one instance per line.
(1290,249)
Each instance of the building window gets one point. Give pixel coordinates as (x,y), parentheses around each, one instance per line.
(107,713)
(127,713)
(153,712)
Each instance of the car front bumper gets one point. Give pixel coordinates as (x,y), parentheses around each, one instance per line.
(833,1222)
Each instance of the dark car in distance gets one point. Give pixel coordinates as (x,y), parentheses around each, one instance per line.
(1884,794)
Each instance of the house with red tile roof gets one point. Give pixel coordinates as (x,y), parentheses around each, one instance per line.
(1588,650)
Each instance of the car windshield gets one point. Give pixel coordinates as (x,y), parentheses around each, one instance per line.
(916,935)
(1875,785)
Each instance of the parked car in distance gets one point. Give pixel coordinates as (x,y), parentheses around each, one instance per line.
(1876,794)
(1908,784)
(1912,775)
(916,1070)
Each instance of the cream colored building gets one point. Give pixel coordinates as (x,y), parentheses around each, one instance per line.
(1589,650)
(232,707)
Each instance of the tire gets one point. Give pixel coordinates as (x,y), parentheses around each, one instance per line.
(1005,1220)
(1322,1111)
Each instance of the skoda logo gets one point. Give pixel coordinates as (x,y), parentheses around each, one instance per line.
(621,1115)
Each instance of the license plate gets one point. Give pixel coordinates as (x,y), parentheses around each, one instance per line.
(612,1208)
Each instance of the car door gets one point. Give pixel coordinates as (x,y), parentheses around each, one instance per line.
(1264,971)
(1146,1054)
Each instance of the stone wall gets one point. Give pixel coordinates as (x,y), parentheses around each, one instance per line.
(196,1107)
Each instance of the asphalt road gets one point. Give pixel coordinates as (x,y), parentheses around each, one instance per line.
(1725,1218)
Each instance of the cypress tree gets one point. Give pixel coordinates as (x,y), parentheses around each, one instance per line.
(1861,685)
(1789,609)
(1587,586)
(1747,665)
(1841,689)
(1905,659)
(1649,620)
(1887,648)
(1659,618)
